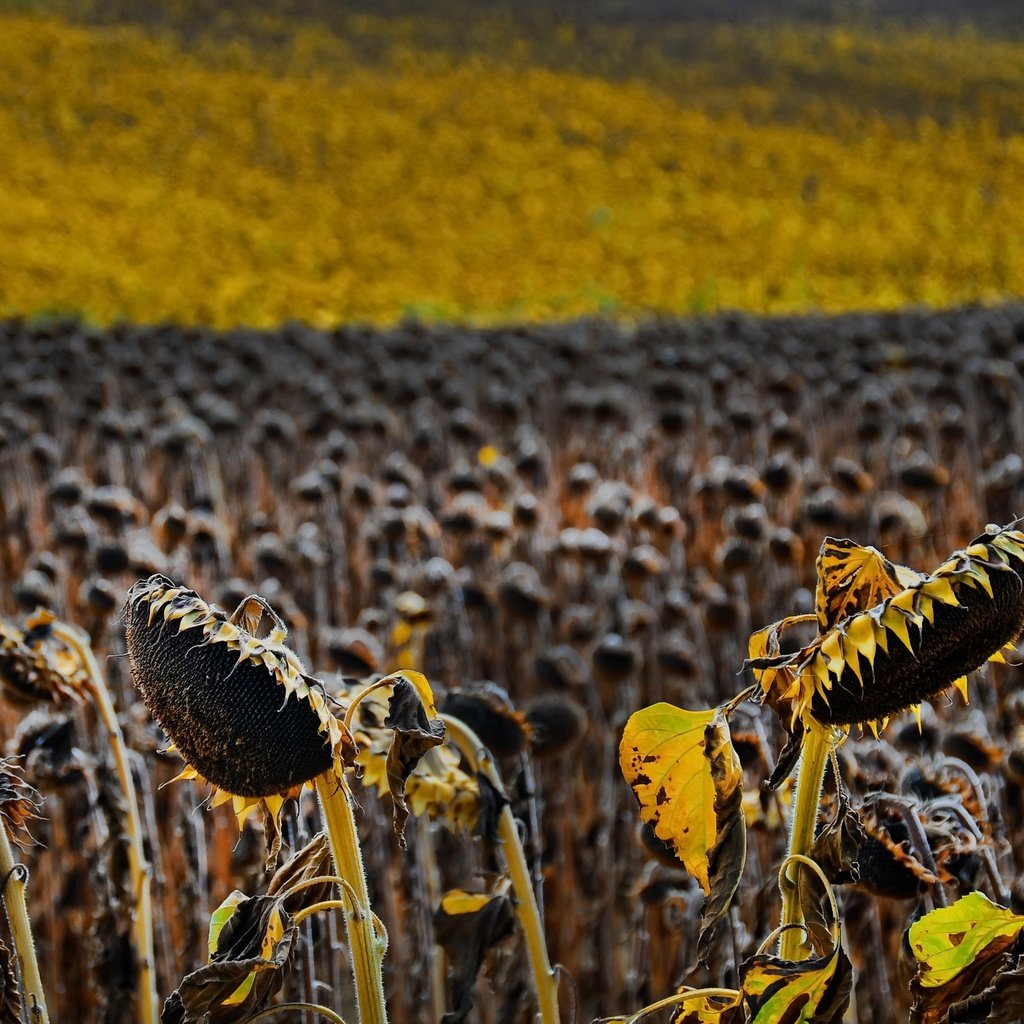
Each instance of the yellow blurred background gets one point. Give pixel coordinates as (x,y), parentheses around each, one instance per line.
(486,163)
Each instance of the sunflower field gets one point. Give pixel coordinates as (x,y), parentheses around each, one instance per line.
(247,167)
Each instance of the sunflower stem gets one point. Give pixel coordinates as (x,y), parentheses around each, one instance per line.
(14,877)
(817,743)
(139,869)
(364,947)
(544,978)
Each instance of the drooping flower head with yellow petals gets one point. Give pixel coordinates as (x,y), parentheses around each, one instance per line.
(239,708)
(889,637)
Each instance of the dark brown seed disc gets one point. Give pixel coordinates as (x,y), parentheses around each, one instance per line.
(884,874)
(956,643)
(232,725)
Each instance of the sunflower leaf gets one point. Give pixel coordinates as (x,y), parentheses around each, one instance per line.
(813,991)
(662,758)
(252,942)
(729,852)
(417,728)
(687,778)
(10,994)
(467,925)
(961,950)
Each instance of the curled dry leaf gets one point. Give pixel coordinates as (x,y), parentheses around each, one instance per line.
(1001,1002)
(729,852)
(10,993)
(311,862)
(251,944)
(835,850)
(467,925)
(417,728)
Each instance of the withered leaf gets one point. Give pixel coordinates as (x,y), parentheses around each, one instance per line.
(10,994)
(492,803)
(728,855)
(1002,1002)
(853,578)
(312,861)
(812,991)
(417,728)
(467,925)
(835,850)
(252,939)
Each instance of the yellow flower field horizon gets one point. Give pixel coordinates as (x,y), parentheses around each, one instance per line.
(330,180)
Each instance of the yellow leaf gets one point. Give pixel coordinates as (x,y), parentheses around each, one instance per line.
(662,758)
(458,901)
(708,1009)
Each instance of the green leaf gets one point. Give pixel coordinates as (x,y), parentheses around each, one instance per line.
(950,939)
(662,758)
(221,916)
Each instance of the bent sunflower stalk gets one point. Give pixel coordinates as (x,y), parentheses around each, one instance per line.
(247,719)
(16,805)
(920,635)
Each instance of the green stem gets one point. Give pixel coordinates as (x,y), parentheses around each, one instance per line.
(13,875)
(364,948)
(138,867)
(817,743)
(544,978)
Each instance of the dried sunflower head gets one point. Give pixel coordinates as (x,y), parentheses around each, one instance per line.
(37,667)
(239,708)
(888,637)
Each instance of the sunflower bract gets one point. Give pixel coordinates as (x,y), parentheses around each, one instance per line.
(239,709)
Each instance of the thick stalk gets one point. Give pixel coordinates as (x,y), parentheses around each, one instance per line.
(544,978)
(13,875)
(817,743)
(365,948)
(138,867)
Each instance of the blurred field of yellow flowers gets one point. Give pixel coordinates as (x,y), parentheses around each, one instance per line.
(367,170)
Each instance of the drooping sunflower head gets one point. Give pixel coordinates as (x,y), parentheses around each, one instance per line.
(35,666)
(890,638)
(239,708)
